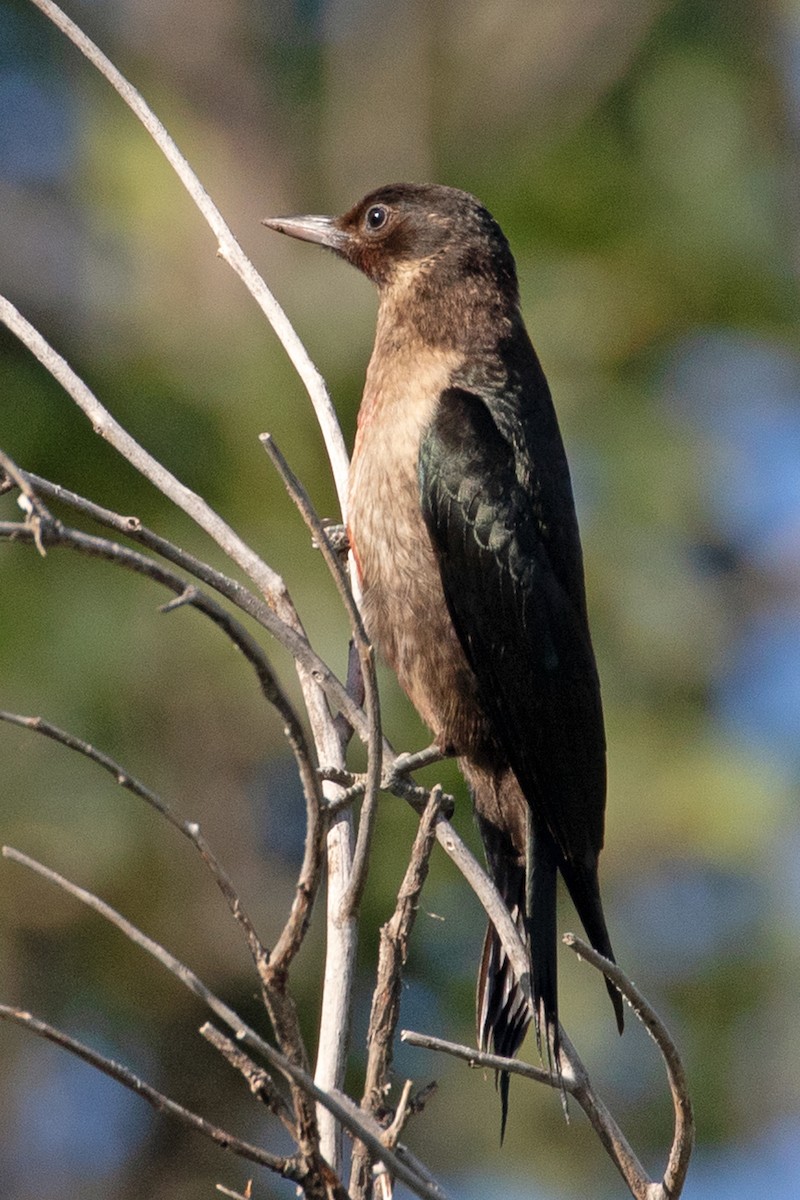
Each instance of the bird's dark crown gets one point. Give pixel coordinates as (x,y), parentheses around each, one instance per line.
(448,230)
(439,258)
(395,227)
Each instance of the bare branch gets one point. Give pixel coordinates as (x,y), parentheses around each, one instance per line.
(392,957)
(358,870)
(229,249)
(683,1140)
(342,932)
(339,1105)
(189,829)
(237,593)
(480,1058)
(53,533)
(258,1080)
(227,1141)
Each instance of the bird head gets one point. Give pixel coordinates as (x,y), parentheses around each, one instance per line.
(410,232)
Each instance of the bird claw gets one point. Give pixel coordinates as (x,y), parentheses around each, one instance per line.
(336,534)
(395,778)
(397,771)
(395,774)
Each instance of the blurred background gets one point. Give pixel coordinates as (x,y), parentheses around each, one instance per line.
(642,157)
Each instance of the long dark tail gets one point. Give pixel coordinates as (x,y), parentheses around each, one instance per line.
(541,907)
(502,1012)
(525,866)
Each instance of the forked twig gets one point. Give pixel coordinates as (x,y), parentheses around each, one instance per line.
(576,1083)
(248,602)
(339,1105)
(683,1139)
(366,658)
(395,935)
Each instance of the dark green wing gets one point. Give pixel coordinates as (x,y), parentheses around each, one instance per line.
(503,529)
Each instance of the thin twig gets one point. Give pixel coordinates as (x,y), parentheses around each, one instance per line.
(228,249)
(413,760)
(297,645)
(392,956)
(34,507)
(404,1110)
(189,829)
(483,887)
(683,1140)
(258,1080)
(227,1141)
(342,1108)
(54,533)
(380,1176)
(480,1058)
(229,1192)
(366,656)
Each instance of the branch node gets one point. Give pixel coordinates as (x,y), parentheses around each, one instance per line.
(188,596)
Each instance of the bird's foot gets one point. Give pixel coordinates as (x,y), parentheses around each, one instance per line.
(395,778)
(396,772)
(336,534)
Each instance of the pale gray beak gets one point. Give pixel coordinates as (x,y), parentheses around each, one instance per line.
(321,230)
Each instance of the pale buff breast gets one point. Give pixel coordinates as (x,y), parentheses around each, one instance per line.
(404,606)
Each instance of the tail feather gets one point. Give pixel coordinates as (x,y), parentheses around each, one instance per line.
(502,1011)
(541,904)
(525,863)
(584,888)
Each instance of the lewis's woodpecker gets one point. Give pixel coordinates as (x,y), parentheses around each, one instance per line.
(463,527)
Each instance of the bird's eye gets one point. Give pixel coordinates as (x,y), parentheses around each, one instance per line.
(376,218)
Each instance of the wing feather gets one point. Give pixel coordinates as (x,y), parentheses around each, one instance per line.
(505,547)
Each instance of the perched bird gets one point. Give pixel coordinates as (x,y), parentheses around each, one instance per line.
(463,528)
